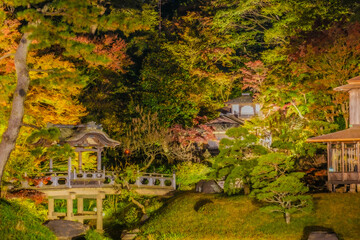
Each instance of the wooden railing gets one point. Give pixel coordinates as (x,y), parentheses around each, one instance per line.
(97,179)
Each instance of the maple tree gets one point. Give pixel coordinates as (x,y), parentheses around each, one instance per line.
(67,30)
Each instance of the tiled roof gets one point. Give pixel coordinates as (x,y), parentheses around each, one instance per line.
(90,134)
(226,119)
(348,135)
(353,83)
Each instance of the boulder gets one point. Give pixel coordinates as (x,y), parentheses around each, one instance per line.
(322,235)
(64,229)
(209,186)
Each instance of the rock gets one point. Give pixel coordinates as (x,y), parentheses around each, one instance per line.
(322,235)
(144,218)
(208,187)
(64,229)
(129,235)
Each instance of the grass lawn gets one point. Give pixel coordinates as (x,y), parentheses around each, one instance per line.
(206,216)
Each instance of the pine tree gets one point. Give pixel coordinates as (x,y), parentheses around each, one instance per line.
(276,183)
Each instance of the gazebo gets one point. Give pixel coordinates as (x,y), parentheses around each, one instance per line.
(343,147)
(84,138)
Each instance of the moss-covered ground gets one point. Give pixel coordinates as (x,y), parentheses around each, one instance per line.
(22,219)
(190,215)
(206,216)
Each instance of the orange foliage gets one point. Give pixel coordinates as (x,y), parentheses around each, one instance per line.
(36,196)
(112,47)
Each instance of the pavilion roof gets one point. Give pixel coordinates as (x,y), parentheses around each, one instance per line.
(85,135)
(348,135)
(353,83)
(225,122)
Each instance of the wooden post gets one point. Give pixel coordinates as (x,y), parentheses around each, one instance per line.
(99,211)
(70,206)
(99,159)
(50,208)
(69,173)
(51,165)
(80,207)
(342,161)
(80,161)
(174,181)
(328,159)
(357,158)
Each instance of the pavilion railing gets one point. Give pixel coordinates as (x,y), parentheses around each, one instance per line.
(95,178)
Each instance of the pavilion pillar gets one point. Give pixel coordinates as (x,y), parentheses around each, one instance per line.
(69,172)
(99,150)
(70,206)
(328,158)
(99,211)
(50,208)
(358,158)
(80,161)
(51,165)
(343,160)
(80,205)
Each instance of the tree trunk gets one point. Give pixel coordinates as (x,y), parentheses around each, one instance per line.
(246,189)
(287,217)
(9,137)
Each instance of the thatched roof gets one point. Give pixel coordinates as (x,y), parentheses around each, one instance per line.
(349,135)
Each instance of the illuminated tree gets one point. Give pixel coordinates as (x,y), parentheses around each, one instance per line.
(67,29)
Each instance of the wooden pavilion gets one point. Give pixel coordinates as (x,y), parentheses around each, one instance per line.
(84,138)
(83,184)
(343,147)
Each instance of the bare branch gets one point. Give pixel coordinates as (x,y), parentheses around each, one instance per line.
(41,70)
(30,125)
(300,115)
(7,55)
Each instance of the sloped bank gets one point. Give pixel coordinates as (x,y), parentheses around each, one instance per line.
(207,216)
(20,219)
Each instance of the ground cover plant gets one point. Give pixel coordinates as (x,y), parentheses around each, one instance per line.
(22,219)
(203,216)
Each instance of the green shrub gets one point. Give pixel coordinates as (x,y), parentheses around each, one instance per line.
(94,235)
(189,173)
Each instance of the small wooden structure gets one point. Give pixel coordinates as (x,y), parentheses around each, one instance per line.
(343,147)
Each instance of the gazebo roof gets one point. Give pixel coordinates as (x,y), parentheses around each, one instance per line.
(85,135)
(349,135)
